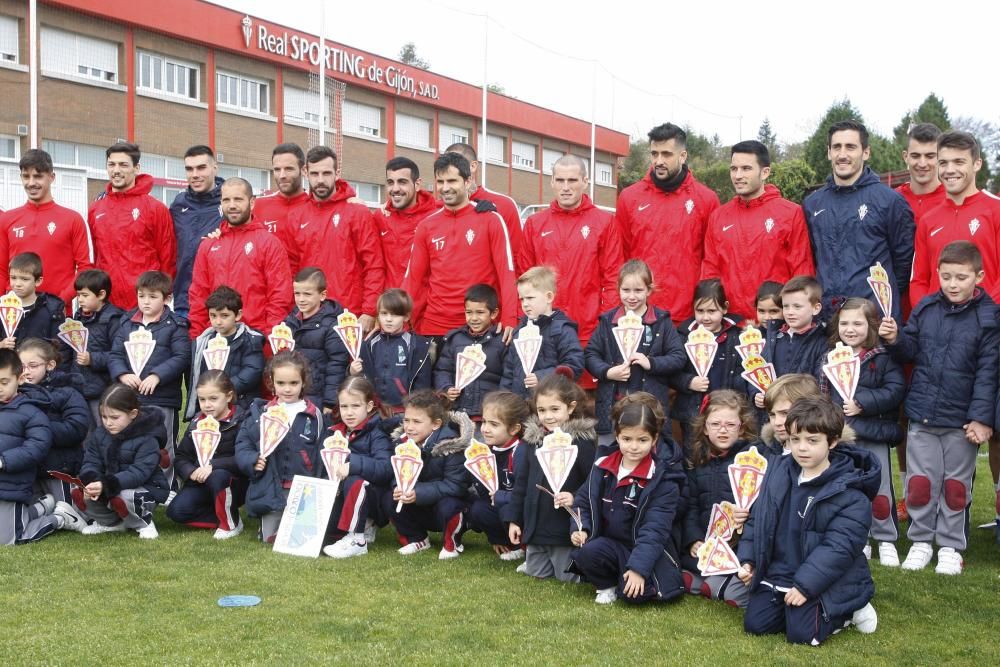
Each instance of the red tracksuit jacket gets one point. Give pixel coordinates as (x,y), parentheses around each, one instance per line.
(273,211)
(507,209)
(396,230)
(585,249)
(133,233)
(747,243)
(252,262)
(667,231)
(340,238)
(59,236)
(452,251)
(920,204)
(977,219)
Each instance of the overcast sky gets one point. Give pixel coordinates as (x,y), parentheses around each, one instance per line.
(702,63)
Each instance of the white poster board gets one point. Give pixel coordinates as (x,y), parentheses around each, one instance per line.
(307,512)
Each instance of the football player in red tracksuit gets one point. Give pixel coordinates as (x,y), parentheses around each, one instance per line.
(505,206)
(275,210)
(966,214)
(132,231)
(455,248)
(245,257)
(338,236)
(925,190)
(662,221)
(397,220)
(580,242)
(58,235)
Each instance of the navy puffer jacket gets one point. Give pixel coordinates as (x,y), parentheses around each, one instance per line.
(129,459)
(725,372)
(319,342)
(443,453)
(169,359)
(560,347)
(69,419)
(186,460)
(880,391)
(371,450)
(706,485)
(470,401)
(102,327)
(25,439)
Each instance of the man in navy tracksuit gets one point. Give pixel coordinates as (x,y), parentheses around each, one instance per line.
(196,212)
(855,221)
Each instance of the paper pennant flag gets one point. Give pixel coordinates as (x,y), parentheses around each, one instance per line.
(469,365)
(216,353)
(406,466)
(334,453)
(721,522)
(557,456)
(528,344)
(751,343)
(701,348)
(878,280)
(758,372)
(628,334)
(281,338)
(274,425)
(206,438)
(843,369)
(350,331)
(746,477)
(73,333)
(481,462)
(11,312)
(65,477)
(139,348)
(715,556)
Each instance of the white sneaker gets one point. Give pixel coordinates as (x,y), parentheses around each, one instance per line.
(371,531)
(513,554)
(949,561)
(867,551)
(347,546)
(73,519)
(170,498)
(448,555)
(149,532)
(887,554)
(865,619)
(415,547)
(919,556)
(606,596)
(223,534)
(97,528)
(522,568)
(48,502)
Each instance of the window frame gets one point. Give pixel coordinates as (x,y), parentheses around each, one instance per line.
(243,82)
(165,62)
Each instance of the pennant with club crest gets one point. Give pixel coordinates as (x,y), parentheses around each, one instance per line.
(843,369)
(715,556)
(216,353)
(469,365)
(73,333)
(878,280)
(481,462)
(206,437)
(751,343)
(701,348)
(406,466)
(350,331)
(334,453)
(274,425)
(721,522)
(628,334)
(528,344)
(758,372)
(746,477)
(281,338)
(11,312)
(139,348)
(556,457)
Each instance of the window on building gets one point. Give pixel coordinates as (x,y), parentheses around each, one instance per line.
(370,193)
(450,134)
(8,147)
(549,156)
(259,179)
(523,154)
(161,166)
(165,193)
(362,119)
(167,75)
(604,173)
(237,91)
(8,39)
(494,149)
(413,131)
(69,154)
(78,55)
(302,106)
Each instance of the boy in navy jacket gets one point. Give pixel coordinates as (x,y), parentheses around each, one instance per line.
(482,307)
(801,550)
(245,362)
(43,312)
(158,382)
(101,319)
(953,340)
(536,289)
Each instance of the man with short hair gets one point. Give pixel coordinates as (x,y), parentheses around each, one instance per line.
(288,164)
(662,221)
(855,221)
(580,243)
(58,235)
(460,245)
(196,213)
(246,257)
(924,191)
(406,205)
(506,207)
(757,235)
(339,237)
(132,230)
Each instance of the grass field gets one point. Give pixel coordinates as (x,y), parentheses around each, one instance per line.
(116,599)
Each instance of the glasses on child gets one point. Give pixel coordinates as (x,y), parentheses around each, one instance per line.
(34,365)
(722,426)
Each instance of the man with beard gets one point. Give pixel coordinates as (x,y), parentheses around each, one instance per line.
(662,221)
(245,257)
(288,169)
(408,203)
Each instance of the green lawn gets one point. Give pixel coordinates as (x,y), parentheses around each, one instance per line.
(116,599)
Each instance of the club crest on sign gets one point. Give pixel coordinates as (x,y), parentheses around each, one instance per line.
(135,214)
(585,230)
(247,26)
(469,236)
(974,226)
(862,211)
(689,206)
(769,225)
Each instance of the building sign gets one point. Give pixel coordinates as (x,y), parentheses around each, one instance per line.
(338,60)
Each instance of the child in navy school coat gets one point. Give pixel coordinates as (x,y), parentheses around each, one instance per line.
(43,312)
(101,319)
